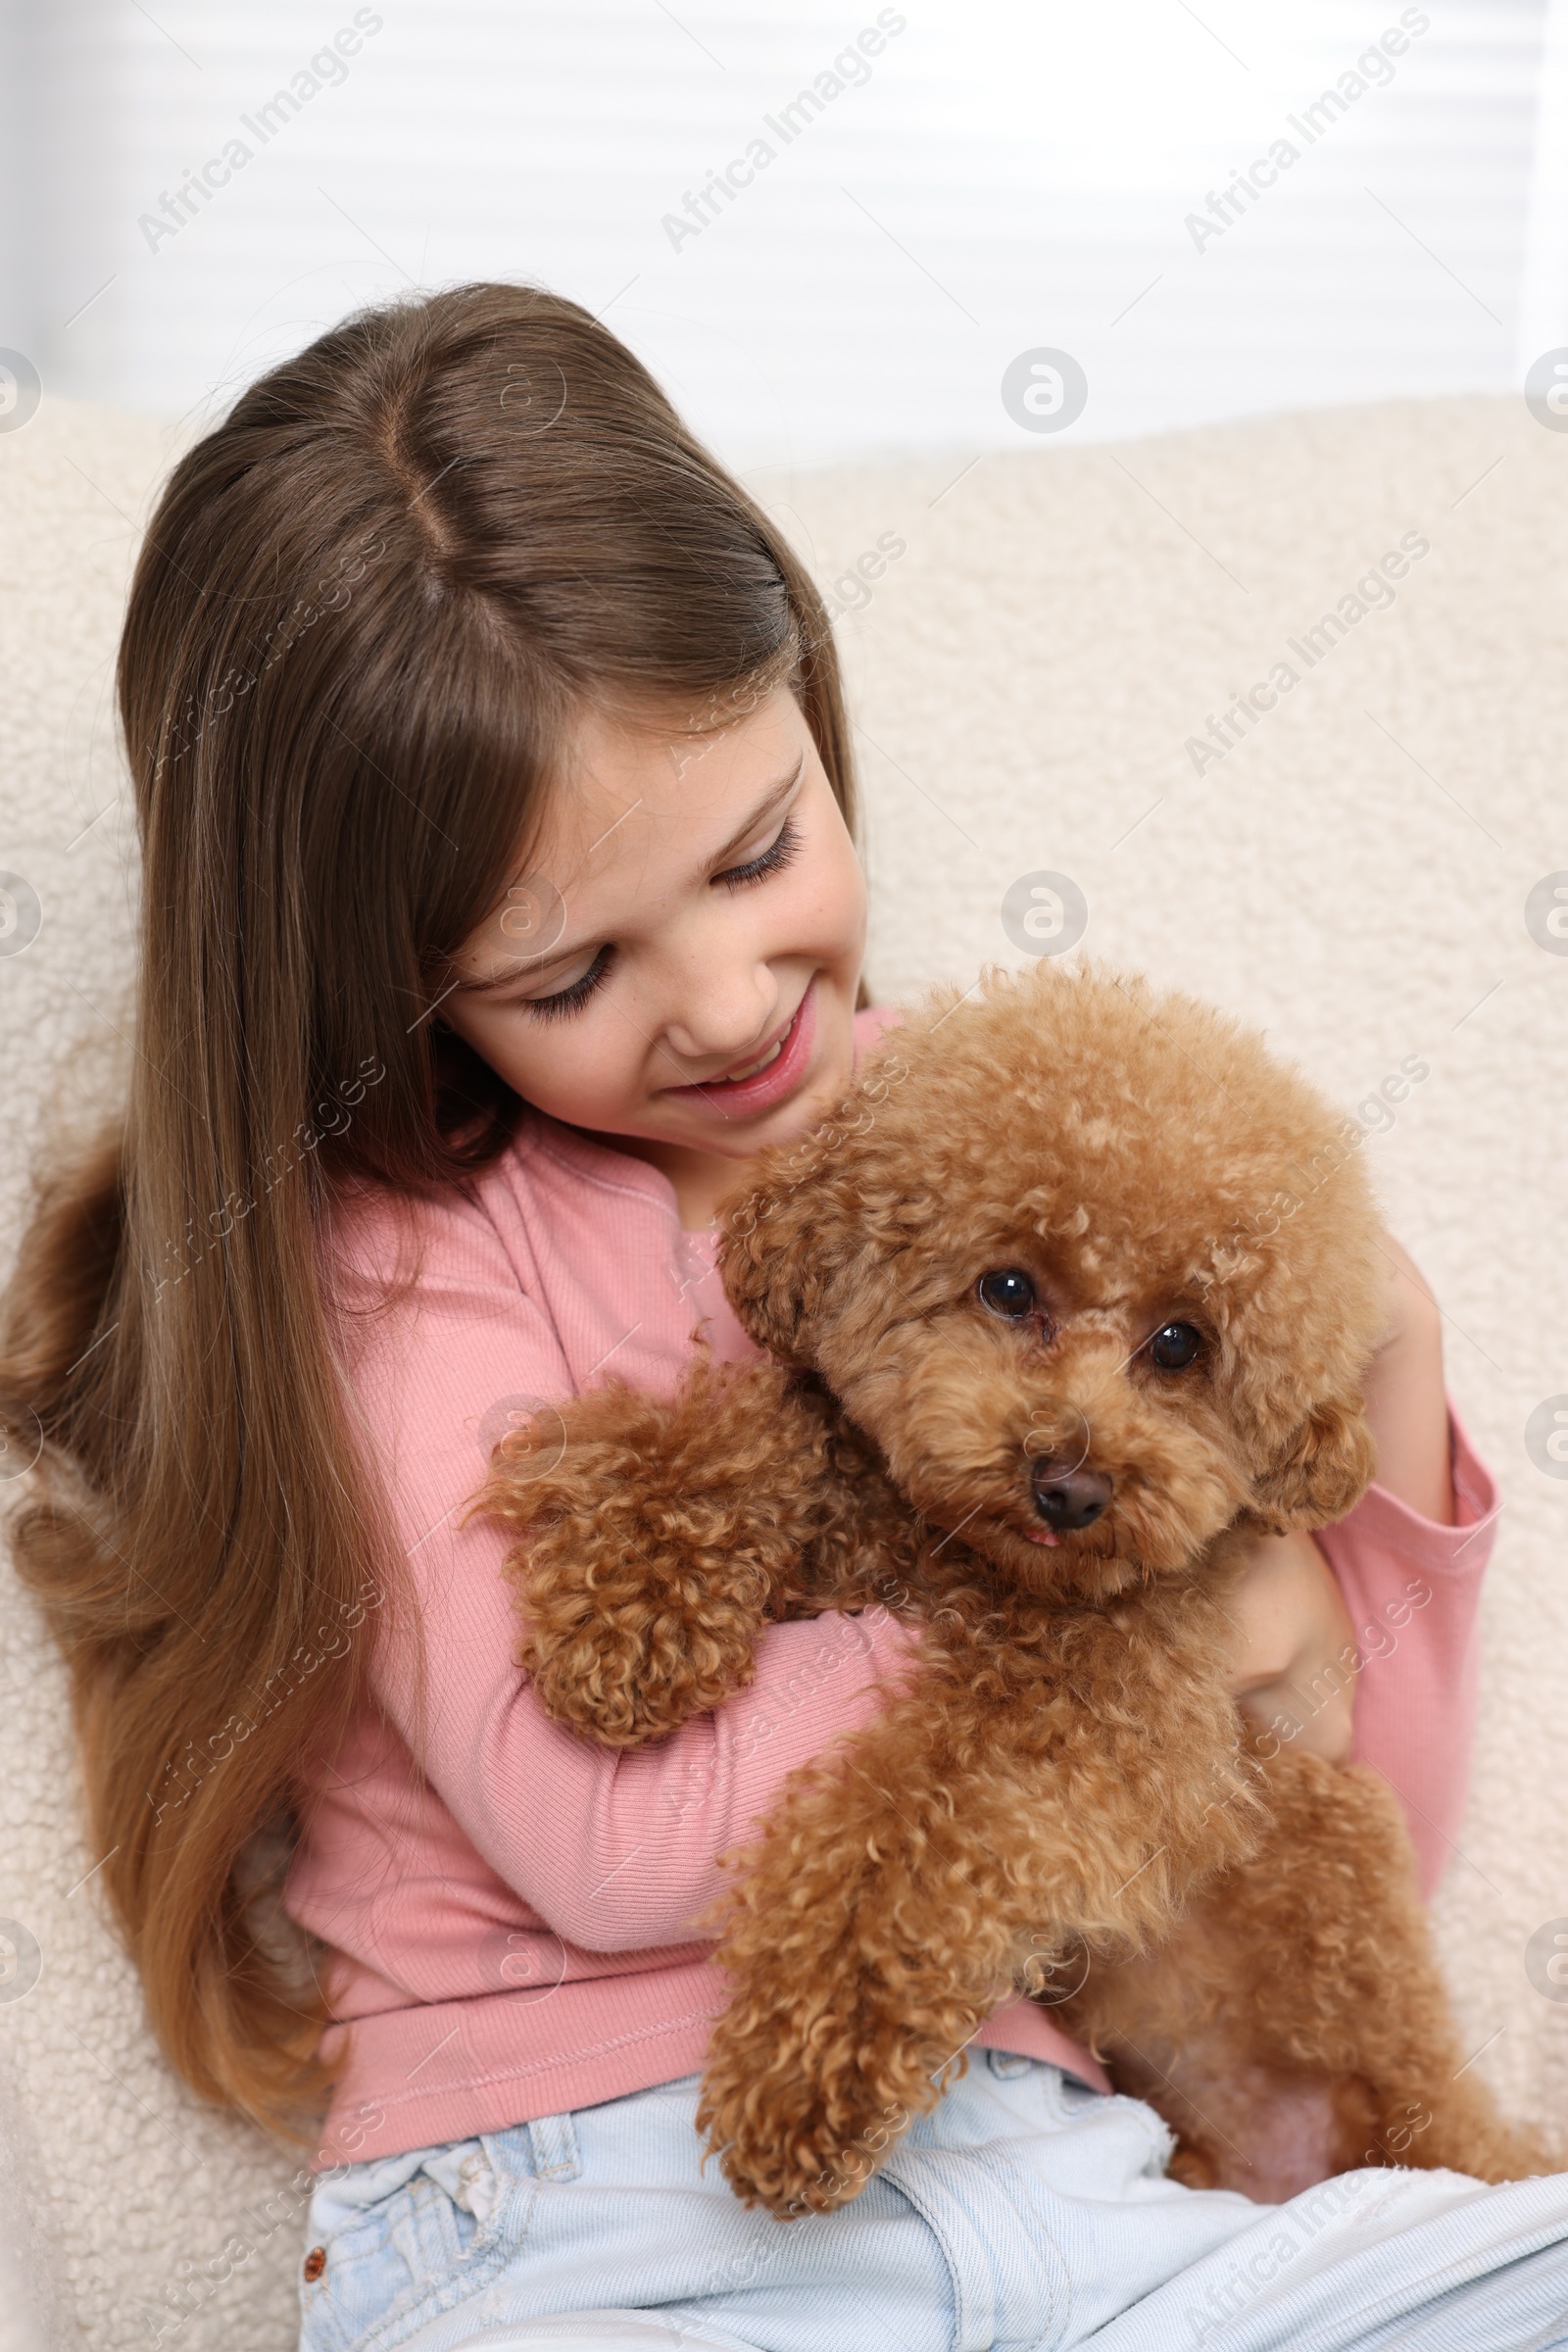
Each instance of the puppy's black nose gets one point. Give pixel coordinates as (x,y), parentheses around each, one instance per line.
(1068,1499)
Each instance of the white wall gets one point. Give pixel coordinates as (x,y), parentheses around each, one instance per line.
(1006,177)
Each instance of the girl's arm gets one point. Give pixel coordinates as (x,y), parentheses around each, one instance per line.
(615,1851)
(1358,1642)
(618,1851)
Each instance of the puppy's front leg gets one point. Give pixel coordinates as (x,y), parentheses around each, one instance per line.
(899,1889)
(662,1536)
(863,1950)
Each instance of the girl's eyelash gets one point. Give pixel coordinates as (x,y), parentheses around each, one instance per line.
(785,849)
(574,998)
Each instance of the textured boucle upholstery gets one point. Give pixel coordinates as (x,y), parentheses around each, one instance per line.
(1046,632)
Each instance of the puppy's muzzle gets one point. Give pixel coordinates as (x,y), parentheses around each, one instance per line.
(1068,1499)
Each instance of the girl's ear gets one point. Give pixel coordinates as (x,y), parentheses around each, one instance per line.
(1327,1463)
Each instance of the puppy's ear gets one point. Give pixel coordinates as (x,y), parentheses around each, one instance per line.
(785,1242)
(1324,1469)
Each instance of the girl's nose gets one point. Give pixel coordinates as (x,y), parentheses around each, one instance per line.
(723,1027)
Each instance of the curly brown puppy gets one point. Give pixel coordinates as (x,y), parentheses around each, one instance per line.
(1072,1298)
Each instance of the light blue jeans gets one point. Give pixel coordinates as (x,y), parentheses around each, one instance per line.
(1026,2214)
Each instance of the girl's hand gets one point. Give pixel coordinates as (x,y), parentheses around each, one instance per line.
(1294,1641)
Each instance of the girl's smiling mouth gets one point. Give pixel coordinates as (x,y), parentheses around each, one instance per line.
(768,1078)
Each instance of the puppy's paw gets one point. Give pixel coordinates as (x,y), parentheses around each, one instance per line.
(1455,2129)
(810,2084)
(630,1627)
(651,1550)
(625,1659)
(786,2145)
(640,1588)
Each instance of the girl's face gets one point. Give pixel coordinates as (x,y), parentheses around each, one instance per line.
(676,966)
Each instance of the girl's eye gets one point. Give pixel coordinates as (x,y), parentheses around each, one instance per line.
(786,848)
(1007,1292)
(574,998)
(1175,1345)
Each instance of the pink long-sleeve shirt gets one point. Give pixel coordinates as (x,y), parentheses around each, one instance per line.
(517,1937)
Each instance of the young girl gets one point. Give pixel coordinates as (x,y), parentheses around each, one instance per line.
(499,905)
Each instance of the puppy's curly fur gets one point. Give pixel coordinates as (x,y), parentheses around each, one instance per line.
(974,1410)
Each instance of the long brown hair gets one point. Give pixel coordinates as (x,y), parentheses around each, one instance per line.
(368,606)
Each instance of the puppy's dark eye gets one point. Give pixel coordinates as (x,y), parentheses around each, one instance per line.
(1007,1292)
(1175,1345)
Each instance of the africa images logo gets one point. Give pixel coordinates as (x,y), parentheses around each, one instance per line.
(849,70)
(1373,69)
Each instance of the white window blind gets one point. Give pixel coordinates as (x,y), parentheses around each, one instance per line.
(945,188)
